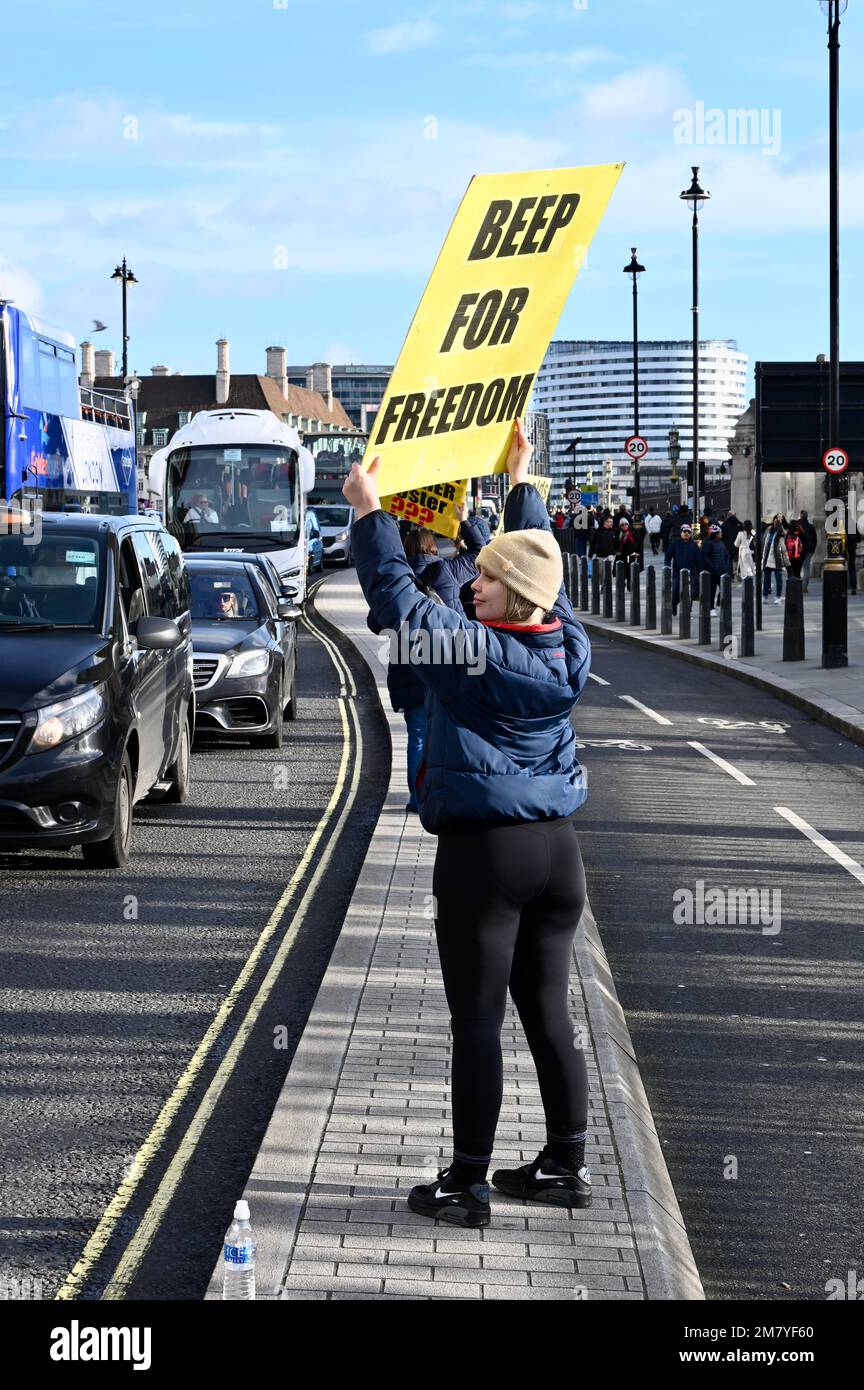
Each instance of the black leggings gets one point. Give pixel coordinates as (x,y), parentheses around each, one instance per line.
(508,901)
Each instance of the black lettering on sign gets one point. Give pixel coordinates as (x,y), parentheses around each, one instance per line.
(453,394)
(447,490)
(490,230)
(538,222)
(414,403)
(492,240)
(517,225)
(479,403)
(426,424)
(567,205)
(492,318)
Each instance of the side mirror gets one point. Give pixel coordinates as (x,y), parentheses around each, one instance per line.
(156,634)
(288,610)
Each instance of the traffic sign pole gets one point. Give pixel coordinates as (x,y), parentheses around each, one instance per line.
(835,585)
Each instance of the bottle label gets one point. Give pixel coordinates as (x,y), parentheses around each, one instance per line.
(240,1254)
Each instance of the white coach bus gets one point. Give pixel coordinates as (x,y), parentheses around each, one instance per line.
(236,480)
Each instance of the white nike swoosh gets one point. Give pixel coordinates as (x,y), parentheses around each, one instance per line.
(442,1193)
(556,1176)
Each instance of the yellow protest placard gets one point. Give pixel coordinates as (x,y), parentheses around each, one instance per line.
(484,323)
(433,507)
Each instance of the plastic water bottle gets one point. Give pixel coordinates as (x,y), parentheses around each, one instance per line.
(238,1264)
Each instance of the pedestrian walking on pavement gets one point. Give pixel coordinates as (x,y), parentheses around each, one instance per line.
(500,785)
(744,545)
(811,540)
(653,525)
(683,554)
(715,559)
(795,548)
(774,559)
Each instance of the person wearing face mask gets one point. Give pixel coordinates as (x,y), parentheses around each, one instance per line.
(500,785)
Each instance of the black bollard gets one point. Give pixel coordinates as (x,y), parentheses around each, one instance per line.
(595,587)
(684,605)
(748,616)
(725,609)
(651,597)
(666,603)
(793,620)
(584,600)
(704,609)
(607,586)
(635,594)
(620,591)
(567,558)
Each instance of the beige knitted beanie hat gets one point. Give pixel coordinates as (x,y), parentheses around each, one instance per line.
(528,562)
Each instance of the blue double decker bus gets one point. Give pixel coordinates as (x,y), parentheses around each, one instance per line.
(63,448)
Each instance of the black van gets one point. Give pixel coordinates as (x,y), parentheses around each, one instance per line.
(97,701)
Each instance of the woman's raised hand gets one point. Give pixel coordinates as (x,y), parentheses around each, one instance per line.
(519,454)
(360,488)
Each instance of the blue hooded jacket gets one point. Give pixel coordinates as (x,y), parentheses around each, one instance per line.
(500,747)
(446,576)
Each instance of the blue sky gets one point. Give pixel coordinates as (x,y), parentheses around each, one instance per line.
(266,166)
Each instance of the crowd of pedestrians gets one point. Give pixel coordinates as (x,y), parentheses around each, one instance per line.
(721,544)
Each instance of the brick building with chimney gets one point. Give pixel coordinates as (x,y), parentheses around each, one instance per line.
(166,400)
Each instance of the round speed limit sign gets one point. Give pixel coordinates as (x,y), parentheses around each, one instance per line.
(835,460)
(636,446)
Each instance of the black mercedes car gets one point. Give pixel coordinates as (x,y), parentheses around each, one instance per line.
(244,636)
(97,706)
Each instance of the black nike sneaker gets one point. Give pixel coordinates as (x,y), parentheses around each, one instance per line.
(544,1180)
(463,1207)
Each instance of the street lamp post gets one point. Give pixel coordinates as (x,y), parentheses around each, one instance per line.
(834,581)
(696,197)
(125,276)
(634,269)
(674,450)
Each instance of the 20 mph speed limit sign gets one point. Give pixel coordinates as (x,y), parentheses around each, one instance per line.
(835,460)
(636,446)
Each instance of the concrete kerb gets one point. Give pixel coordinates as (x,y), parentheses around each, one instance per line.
(281,1176)
(837,715)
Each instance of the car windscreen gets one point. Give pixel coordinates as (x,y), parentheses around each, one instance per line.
(225,594)
(53,581)
(332,516)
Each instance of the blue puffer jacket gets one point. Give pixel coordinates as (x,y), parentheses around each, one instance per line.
(499,745)
(446,577)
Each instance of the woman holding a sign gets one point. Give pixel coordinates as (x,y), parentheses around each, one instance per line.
(499,785)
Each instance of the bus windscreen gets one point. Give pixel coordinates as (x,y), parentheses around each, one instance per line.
(247,491)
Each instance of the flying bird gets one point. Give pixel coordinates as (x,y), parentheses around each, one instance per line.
(99,326)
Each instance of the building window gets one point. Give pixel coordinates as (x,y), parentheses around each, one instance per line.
(183,418)
(160,439)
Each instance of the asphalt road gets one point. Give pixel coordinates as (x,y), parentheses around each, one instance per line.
(111,981)
(750,1040)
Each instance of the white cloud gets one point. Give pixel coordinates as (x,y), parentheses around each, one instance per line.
(17,283)
(403,37)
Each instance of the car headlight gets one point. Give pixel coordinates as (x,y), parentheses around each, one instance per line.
(343,536)
(67,719)
(292,574)
(253,663)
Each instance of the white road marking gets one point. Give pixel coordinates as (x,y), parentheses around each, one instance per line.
(721,762)
(598,679)
(651,713)
(838,855)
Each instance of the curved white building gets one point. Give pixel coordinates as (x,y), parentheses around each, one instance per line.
(586,389)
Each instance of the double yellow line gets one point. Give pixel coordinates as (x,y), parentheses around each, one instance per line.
(140,1242)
